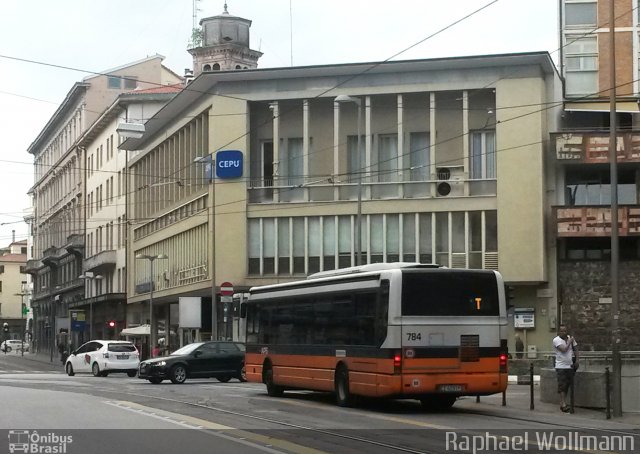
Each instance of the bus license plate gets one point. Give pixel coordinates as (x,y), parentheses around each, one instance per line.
(122,356)
(450,388)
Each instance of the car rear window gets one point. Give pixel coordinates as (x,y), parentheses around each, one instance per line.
(121,348)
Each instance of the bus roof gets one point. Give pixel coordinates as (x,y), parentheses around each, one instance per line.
(372,267)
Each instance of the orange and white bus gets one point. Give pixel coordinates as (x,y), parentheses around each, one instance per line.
(396,330)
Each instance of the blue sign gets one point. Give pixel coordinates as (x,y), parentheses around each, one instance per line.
(229,164)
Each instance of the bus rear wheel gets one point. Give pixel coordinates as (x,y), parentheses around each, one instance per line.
(343,396)
(273,390)
(438,403)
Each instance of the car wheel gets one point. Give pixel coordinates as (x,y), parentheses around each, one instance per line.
(273,390)
(178,374)
(223,378)
(7,349)
(155,380)
(132,373)
(343,396)
(69,370)
(242,376)
(95,370)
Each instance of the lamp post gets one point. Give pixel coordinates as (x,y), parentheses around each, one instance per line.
(89,276)
(210,162)
(151,259)
(358,232)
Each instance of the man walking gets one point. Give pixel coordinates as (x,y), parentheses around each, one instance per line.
(566,348)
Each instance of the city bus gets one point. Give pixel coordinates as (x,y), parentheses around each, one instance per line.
(392,330)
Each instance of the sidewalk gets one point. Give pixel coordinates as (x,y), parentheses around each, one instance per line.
(518,402)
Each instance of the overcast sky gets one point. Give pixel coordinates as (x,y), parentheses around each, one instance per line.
(95,35)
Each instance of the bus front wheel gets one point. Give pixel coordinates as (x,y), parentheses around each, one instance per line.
(273,390)
(343,396)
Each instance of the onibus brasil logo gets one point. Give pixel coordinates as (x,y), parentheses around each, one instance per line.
(30,441)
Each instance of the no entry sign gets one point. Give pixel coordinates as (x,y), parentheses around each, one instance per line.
(226,289)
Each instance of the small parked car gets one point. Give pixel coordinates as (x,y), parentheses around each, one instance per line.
(219,359)
(102,357)
(13,344)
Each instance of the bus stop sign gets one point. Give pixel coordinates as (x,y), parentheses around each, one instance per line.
(226,289)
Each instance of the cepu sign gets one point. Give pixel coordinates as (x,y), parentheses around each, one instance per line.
(229,164)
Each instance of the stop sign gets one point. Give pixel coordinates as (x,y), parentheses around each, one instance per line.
(226,289)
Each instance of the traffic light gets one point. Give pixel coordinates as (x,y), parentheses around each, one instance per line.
(111,329)
(509,292)
(5,328)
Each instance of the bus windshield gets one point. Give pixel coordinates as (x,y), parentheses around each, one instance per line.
(450,293)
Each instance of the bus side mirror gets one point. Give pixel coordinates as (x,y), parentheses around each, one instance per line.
(243,310)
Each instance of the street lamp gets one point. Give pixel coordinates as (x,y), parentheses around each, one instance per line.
(209,163)
(89,276)
(358,233)
(151,259)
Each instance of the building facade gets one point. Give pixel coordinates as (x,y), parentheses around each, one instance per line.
(580,177)
(444,160)
(58,192)
(14,288)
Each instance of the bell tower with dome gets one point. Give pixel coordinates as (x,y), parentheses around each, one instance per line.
(224,45)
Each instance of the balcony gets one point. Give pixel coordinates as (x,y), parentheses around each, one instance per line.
(75,244)
(102,259)
(50,256)
(33,266)
(595,221)
(593,147)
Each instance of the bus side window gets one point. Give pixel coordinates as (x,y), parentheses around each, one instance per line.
(382,312)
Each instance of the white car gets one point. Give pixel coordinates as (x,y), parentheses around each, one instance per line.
(101,357)
(13,345)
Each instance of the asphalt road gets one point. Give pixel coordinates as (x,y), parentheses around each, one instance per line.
(239,417)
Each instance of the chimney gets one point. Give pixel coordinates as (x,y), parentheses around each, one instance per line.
(188,76)
(13,236)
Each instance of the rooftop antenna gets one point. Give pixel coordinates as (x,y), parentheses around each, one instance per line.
(196,10)
(291,30)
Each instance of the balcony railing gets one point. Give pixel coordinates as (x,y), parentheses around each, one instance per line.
(595,221)
(265,192)
(101,259)
(593,147)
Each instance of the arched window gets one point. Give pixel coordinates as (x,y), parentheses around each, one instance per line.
(206,68)
(216,67)
(238,67)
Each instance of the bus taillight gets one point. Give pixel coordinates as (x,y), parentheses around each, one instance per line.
(397,362)
(503,362)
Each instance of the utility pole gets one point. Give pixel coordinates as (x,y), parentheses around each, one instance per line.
(613,161)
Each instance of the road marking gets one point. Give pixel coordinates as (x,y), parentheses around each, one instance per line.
(262,442)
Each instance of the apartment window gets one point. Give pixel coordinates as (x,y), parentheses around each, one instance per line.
(130,82)
(580,14)
(267,163)
(353,170)
(419,156)
(387,157)
(483,155)
(294,162)
(23,270)
(1,269)
(581,65)
(113,82)
(0,286)
(593,187)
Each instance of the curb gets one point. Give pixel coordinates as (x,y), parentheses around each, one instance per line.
(523,379)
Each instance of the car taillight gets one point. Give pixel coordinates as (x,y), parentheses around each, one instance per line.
(503,362)
(397,362)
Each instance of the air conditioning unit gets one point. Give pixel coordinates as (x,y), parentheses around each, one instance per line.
(450,182)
